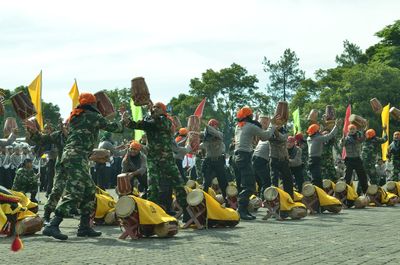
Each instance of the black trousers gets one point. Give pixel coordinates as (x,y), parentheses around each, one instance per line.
(297,173)
(280,170)
(142,187)
(43,178)
(10,175)
(315,169)
(245,174)
(355,163)
(3,179)
(178,163)
(50,171)
(215,167)
(102,175)
(262,173)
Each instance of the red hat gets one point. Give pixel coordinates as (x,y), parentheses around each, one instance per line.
(291,139)
(213,122)
(299,137)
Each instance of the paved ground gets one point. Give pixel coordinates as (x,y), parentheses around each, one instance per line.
(365,236)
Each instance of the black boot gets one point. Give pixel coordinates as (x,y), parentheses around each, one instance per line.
(33,197)
(244,214)
(85,229)
(53,230)
(251,215)
(46,216)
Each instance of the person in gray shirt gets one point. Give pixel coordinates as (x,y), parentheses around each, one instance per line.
(245,131)
(295,162)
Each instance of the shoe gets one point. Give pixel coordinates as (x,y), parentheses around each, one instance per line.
(245,216)
(85,229)
(46,217)
(52,229)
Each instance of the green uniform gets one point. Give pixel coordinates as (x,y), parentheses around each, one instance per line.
(394,154)
(304,159)
(25,181)
(327,162)
(369,152)
(163,174)
(82,137)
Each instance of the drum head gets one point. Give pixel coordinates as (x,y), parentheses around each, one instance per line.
(270,194)
(220,198)
(327,184)
(122,175)
(166,229)
(372,189)
(191,184)
(340,186)
(110,218)
(125,206)
(390,185)
(361,202)
(231,191)
(215,181)
(195,197)
(298,212)
(308,190)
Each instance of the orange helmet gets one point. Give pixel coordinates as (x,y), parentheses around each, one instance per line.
(244,112)
(183,131)
(313,129)
(86,99)
(135,145)
(370,133)
(161,106)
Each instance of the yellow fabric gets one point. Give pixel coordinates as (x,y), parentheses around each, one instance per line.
(5,208)
(385,122)
(285,201)
(216,211)
(24,214)
(104,203)
(150,213)
(325,199)
(386,196)
(74,95)
(24,200)
(398,187)
(297,196)
(351,193)
(35,91)
(3,219)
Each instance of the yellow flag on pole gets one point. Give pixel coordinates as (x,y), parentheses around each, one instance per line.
(74,95)
(385,122)
(35,91)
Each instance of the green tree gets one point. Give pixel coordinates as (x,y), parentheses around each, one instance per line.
(352,54)
(284,76)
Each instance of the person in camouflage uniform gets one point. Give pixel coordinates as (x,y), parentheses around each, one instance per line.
(84,122)
(26,180)
(328,170)
(370,149)
(394,155)
(57,138)
(163,174)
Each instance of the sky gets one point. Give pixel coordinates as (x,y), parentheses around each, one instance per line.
(104,44)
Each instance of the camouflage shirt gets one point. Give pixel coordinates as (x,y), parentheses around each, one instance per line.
(370,148)
(57,138)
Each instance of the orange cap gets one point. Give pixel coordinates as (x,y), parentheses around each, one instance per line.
(161,106)
(86,99)
(135,145)
(244,112)
(313,129)
(370,133)
(183,131)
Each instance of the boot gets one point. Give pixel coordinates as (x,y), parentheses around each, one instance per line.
(46,216)
(244,214)
(33,197)
(85,229)
(53,230)
(251,215)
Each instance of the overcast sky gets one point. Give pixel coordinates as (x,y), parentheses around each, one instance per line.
(104,44)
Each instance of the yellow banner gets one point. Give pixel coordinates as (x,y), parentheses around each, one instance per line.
(35,91)
(74,95)
(385,122)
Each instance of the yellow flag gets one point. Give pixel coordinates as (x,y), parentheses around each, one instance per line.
(74,95)
(385,122)
(35,91)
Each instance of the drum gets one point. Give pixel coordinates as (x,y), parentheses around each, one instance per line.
(177,122)
(330,113)
(220,198)
(23,106)
(265,121)
(271,194)
(340,187)
(124,186)
(104,105)
(254,204)
(376,105)
(29,225)
(100,155)
(35,123)
(395,113)
(167,229)
(313,116)
(195,197)
(214,181)
(140,92)
(125,206)
(308,190)
(191,184)
(327,184)
(358,121)
(194,140)
(231,191)
(333,208)
(282,109)
(193,123)
(361,202)
(372,189)
(298,213)
(329,124)
(391,187)
(9,125)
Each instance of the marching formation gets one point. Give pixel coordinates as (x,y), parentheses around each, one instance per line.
(159,191)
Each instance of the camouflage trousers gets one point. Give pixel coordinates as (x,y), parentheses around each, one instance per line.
(79,187)
(396,170)
(25,184)
(164,178)
(371,172)
(60,180)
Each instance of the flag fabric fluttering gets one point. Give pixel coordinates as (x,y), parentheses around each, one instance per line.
(35,92)
(137,115)
(385,122)
(74,95)
(296,121)
(345,127)
(200,108)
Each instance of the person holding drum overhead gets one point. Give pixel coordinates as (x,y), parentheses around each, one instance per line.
(315,143)
(135,163)
(394,155)
(246,130)
(85,122)
(214,161)
(163,174)
(352,143)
